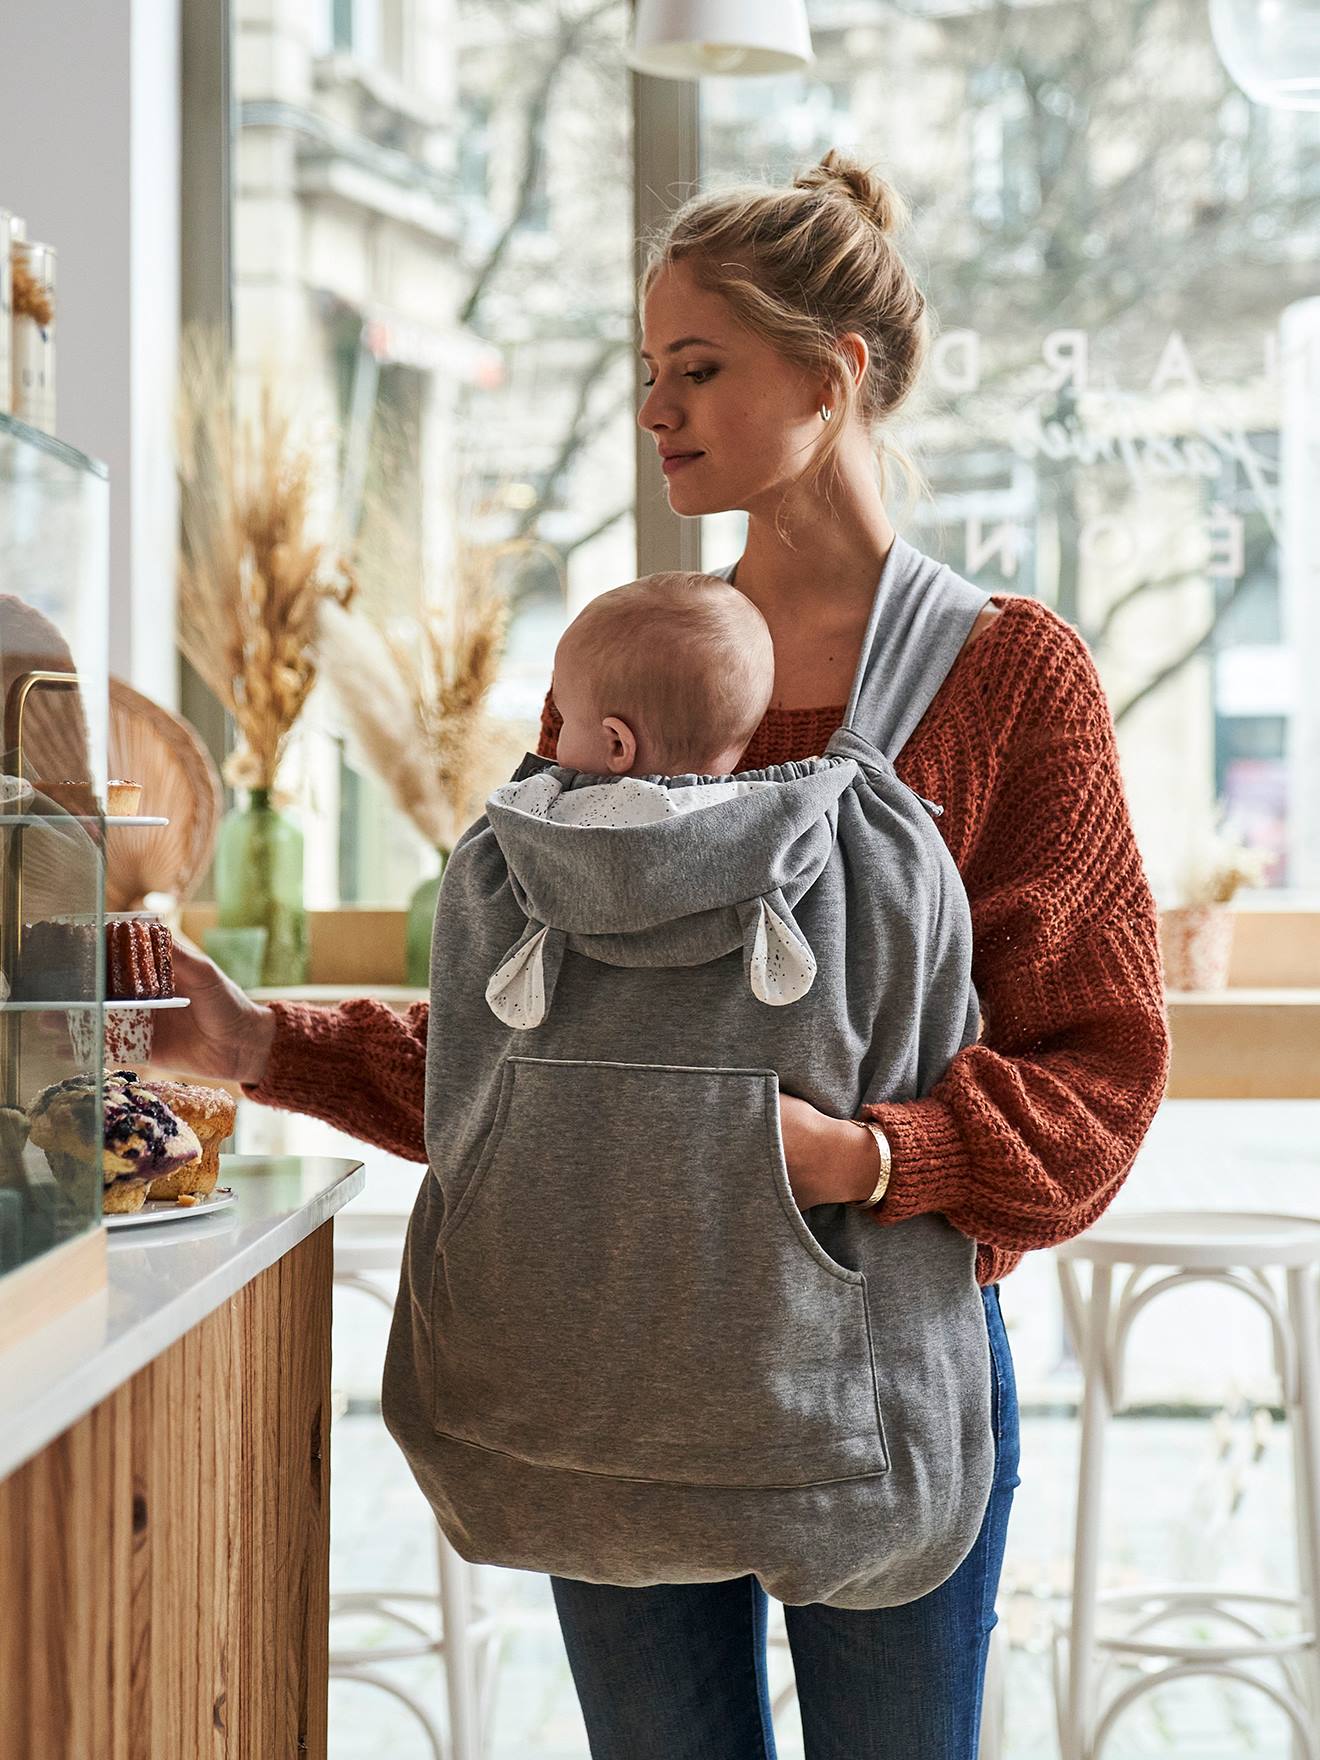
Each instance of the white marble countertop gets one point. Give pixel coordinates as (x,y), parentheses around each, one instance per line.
(162,1281)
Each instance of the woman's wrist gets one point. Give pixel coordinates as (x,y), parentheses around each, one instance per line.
(258,1039)
(855,1163)
(884,1161)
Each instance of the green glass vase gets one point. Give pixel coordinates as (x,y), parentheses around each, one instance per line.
(259,883)
(421,920)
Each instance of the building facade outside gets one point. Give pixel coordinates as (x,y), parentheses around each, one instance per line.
(433,220)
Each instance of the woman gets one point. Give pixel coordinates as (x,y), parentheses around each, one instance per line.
(781,328)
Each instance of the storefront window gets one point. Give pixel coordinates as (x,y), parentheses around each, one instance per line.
(1122,252)
(426,243)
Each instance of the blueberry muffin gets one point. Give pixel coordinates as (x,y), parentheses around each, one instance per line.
(141,1141)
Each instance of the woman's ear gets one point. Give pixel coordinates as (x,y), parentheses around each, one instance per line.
(853,359)
(856,355)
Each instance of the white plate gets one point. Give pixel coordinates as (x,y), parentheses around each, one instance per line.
(114,1002)
(166,1210)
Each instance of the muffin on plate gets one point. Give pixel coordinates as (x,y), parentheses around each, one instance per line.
(142,1139)
(123,1195)
(209,1113)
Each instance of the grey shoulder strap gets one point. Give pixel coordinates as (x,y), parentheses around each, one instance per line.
(921,616)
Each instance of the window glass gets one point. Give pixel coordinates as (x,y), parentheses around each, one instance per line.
(433,240)
(1121,251)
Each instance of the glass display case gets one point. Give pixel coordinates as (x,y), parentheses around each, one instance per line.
(54,610)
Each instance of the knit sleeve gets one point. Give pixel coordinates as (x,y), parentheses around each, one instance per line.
(1031,1131)
(551,721)
(360,1067)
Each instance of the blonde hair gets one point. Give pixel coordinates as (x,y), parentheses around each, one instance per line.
(685,659)
(802,267)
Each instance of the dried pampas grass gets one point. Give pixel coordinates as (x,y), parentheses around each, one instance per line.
(254,569)
(414,691)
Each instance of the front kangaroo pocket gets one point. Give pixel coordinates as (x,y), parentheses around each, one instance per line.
(625,1286)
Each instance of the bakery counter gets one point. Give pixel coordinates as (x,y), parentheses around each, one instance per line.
(162,1280)
(164,1487)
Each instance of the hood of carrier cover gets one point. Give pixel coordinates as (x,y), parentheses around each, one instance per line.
(662,871)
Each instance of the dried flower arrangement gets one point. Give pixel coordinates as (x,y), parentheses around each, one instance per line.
(30,298)
(1222,866)
(414,693)
(255,568)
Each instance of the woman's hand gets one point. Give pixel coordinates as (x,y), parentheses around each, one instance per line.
(222,1034)
(829,1160)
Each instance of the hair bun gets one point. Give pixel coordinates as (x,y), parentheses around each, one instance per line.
(878,200)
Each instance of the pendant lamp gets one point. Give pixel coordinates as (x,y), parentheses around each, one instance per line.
(686,39)
(1271,48)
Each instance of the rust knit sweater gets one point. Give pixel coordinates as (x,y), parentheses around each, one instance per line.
(1031,1131)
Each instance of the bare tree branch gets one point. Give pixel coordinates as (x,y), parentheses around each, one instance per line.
(533,152)
(1188,654)
(576,433)
(572,29)
(1116,607)
(601,526)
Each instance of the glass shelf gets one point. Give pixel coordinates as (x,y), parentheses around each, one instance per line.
(112,1005)
(9,821)
(42,450)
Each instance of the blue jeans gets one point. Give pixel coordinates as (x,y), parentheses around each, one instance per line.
(678,1672)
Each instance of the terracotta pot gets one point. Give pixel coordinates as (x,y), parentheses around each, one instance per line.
(1197,944)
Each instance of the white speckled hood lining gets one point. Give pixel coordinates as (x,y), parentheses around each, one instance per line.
(618,803)
(664,871)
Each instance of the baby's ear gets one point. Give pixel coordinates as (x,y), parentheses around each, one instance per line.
(623,744)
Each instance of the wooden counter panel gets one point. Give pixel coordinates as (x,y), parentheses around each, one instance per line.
(167,1557)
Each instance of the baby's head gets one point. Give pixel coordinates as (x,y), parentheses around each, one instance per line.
(669,675)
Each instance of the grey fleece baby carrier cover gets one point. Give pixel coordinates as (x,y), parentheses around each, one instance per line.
(620,1352)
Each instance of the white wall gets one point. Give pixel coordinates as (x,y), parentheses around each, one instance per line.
(89,155)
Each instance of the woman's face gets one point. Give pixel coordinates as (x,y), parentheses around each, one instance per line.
(734,422)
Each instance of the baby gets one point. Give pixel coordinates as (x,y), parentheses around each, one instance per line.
(666,677)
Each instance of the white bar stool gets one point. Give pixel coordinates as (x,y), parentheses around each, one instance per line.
(470,1635)
(1159,1251)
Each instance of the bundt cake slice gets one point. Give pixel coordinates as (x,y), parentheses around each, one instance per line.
(139,966)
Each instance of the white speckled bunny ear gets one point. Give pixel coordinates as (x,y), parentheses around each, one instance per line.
(781,967)
(522,986)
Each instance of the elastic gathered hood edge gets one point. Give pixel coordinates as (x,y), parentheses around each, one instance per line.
(682,890)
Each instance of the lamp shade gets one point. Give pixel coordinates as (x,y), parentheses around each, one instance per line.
(685,39)
(1271,48)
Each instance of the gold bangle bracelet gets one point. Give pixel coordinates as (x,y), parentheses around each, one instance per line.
(886,1162)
